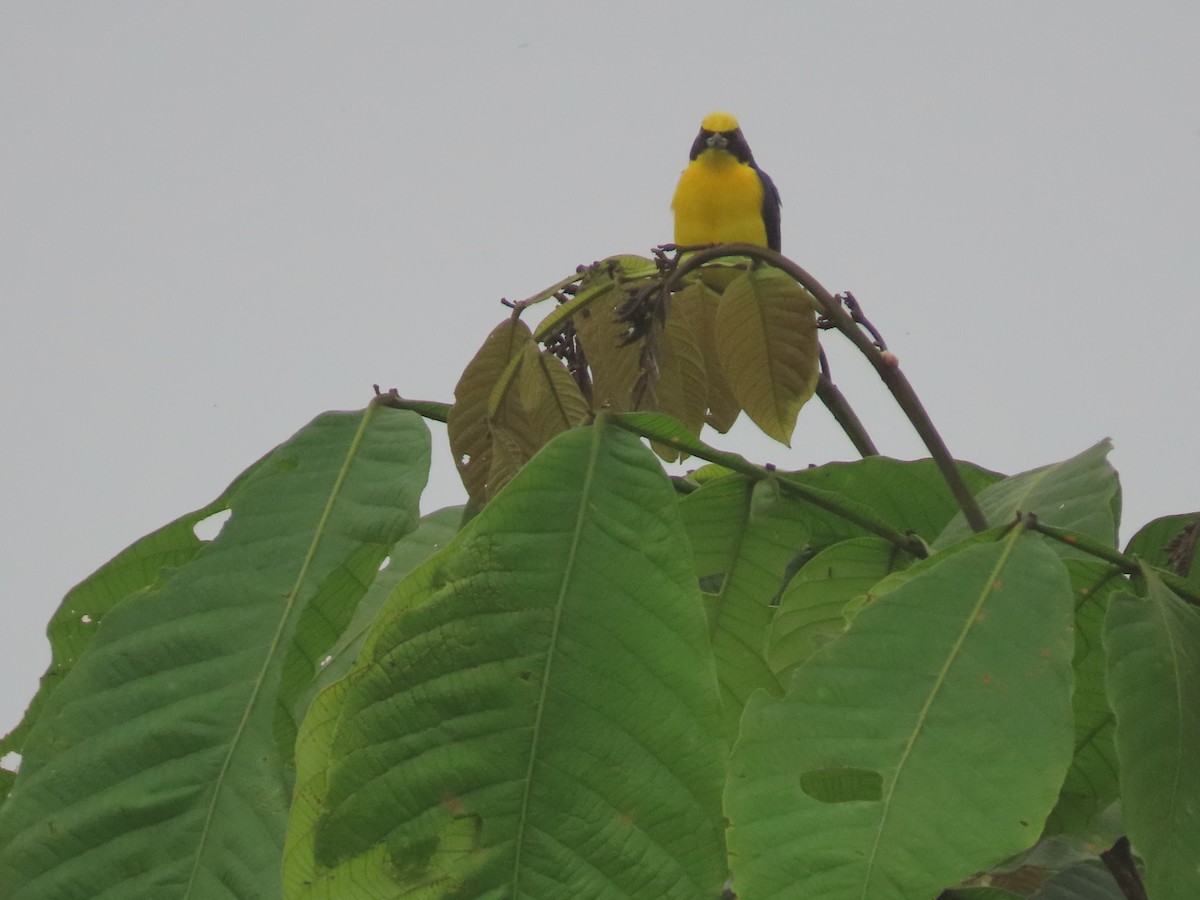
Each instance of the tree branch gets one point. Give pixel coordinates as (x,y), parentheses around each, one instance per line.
(1130,565)
(1119,860)
(642,424)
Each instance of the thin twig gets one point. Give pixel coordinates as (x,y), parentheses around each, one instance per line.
(856,314)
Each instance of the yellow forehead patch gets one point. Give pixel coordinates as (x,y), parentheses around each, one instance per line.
(719,121)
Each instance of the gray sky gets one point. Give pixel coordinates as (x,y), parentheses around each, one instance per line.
(218,220)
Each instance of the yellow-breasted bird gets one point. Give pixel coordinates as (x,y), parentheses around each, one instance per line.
(723,196)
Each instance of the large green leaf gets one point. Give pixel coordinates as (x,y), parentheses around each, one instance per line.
(749,534)
(1081,494)
(1153,647)
(161,766)
(907,495)
(537,715)
(136,568)
(433,532)
(926,743)
(1091,783)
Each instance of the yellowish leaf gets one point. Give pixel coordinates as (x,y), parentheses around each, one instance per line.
(550,394)
(767,342)
(615,366)
(698,304)
(717,275)
(510,450)
(467,422)
(681,390)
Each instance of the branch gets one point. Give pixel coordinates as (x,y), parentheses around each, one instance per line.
(1130,565)
(886,366)
(1124,871)
(429,409)
(642,424)
(842,412)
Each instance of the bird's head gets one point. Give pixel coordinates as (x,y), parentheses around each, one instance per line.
(720,132)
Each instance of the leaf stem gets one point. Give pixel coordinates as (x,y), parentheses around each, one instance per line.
(429,409)
(640,425)
(1130,565)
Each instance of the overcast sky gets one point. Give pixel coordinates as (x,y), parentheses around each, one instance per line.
(218,220)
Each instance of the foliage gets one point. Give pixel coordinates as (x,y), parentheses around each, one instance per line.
(869,679)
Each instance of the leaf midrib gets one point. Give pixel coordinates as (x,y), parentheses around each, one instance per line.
(598,431)
(939,683)
(319,532)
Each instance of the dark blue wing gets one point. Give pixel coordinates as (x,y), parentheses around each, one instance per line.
(770,208)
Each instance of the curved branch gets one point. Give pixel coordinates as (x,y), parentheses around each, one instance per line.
(886,366)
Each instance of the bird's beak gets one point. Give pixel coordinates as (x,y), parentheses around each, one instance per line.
(717,141)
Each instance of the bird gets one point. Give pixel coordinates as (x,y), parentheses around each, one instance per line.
(723,196)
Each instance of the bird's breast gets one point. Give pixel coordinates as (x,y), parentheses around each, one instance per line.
(719,201)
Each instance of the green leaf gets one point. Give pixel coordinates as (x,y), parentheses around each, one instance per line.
(136,568)
(954,690)
(160,767)
(768,348)
(664,429)
(537,714)
(1091,783)
(1153,648)
(1081,494)
(907,495)
(749,534)
(1171,543)
(433,532)
(812,610)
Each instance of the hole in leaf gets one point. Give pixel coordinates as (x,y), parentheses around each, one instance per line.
(85,619)
(842,784)
(465,459)
(208,528)
(383,565)
(11,761)
(326,661)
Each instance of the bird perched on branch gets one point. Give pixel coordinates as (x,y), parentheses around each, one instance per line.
(723,196)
